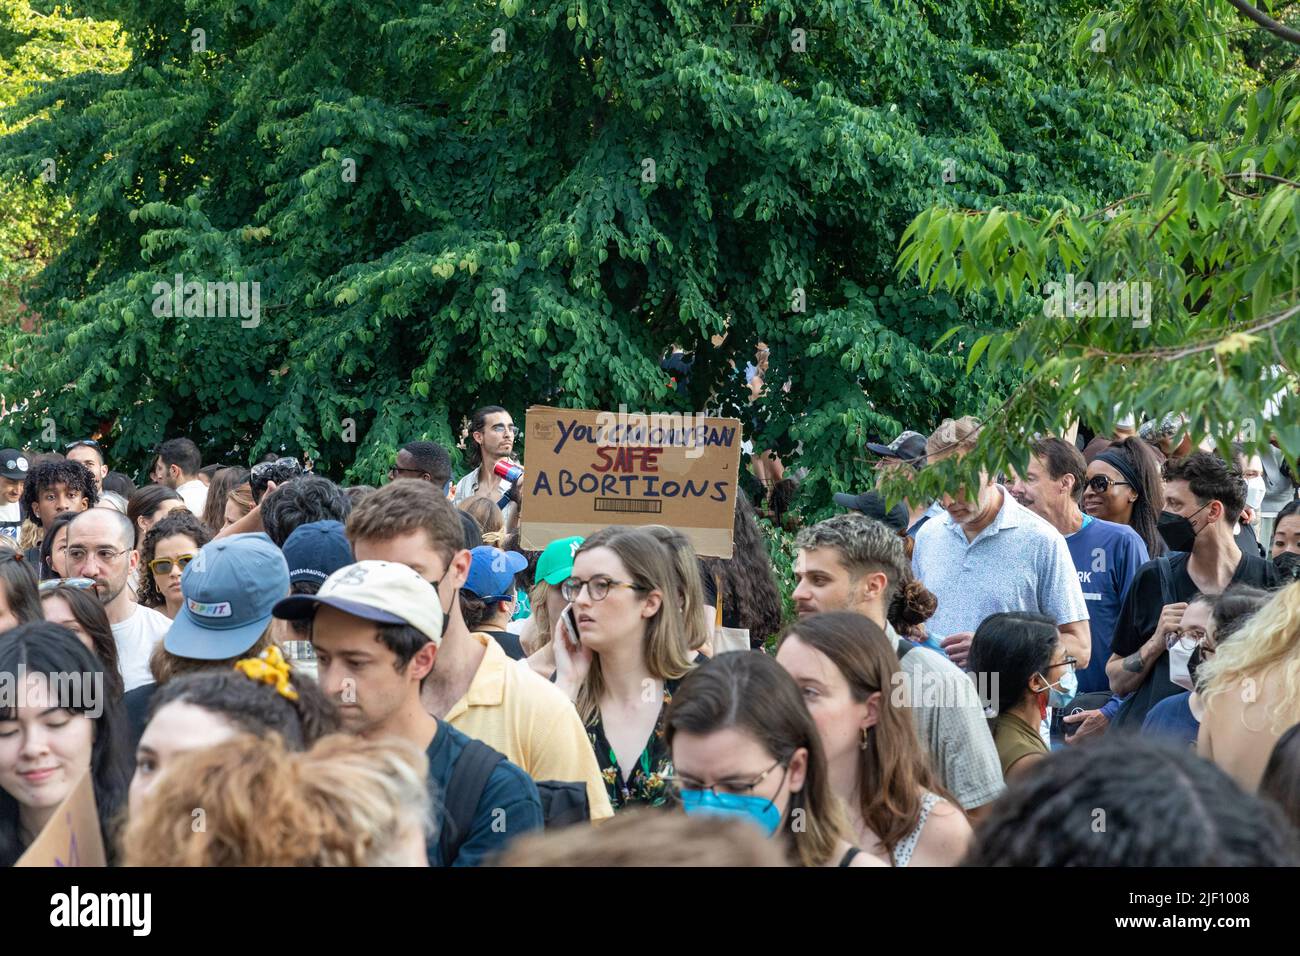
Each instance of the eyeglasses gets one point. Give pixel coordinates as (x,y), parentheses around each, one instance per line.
(164,565)
(1101,484)
(1068,662)
(502,429)
(597,587)
(264,467)
(1189,638)
(395,471)
(81,584)
(103,555)
(680,784)
(89,442)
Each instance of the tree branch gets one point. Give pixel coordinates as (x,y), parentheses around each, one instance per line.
(1253,13)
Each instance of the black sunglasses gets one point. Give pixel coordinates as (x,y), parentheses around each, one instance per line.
(1100,484)
(90,442)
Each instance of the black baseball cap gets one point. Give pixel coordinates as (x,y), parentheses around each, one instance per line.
(908,446)
(14,465)
(872,504)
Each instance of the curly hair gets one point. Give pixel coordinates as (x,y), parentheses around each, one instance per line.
(346,802)
(302,501)
(178,522)
(747,578)
(1091,806)
(47,474)
(255,707)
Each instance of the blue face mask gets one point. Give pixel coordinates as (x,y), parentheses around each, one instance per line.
(1060,696)
(759,810)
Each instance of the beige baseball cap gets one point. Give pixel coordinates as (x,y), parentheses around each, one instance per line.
(381,591)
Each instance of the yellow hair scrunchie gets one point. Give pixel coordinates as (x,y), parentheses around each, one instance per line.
(271,668)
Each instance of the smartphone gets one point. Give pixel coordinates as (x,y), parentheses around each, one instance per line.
(571,625)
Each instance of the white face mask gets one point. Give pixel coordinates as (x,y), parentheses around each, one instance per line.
(1255,489)
(1178,658)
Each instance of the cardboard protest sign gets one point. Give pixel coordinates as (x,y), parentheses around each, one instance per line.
(72,837)
(584,470)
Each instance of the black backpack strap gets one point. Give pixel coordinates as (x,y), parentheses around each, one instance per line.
(464,791)
(904,647)
(1166,570)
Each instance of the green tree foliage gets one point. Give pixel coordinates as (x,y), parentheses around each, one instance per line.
(37,48)
(547,196)
(1212,231)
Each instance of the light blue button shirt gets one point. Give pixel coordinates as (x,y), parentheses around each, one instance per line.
(1018,563)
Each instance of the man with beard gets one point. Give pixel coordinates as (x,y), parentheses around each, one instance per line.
(491,439)
(101,546)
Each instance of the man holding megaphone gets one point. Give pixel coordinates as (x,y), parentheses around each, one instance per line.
(493,475)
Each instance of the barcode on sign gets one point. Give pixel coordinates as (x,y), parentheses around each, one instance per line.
(635,506)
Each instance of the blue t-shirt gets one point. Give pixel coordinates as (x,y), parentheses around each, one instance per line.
(509,806)
(1106,555)
(1172,718)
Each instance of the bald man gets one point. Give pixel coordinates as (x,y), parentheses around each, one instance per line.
(101,546)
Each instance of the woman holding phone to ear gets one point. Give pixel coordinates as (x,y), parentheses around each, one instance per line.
(633,651)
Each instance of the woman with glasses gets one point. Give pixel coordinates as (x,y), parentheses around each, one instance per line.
(847,671)
(631,653)
(743,745)
(1123,485)
(1022,657)
(1206,625)
(170,545)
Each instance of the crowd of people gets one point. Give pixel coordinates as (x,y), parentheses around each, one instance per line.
(256,666)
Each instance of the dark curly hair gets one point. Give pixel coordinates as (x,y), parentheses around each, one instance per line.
(1091,806)
(254,706)
(747,579)
(179,521)
(58,472)
(302,501)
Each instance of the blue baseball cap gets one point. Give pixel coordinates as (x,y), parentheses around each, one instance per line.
(316,550)
(492,573)
(228,589)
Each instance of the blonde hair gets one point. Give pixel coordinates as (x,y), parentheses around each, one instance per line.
(541,618)
(665,650)
(346,802)
(30,535)
(1269,638)
(242,496)
(954,435)
(690,586)
(649,838)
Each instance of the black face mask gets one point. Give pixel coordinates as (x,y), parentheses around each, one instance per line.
(1179,532)
(1288,565)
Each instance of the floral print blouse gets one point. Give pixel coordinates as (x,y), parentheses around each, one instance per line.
(646,784)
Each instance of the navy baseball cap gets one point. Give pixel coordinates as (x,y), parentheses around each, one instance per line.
(492,573)
(228,589)
(872,504)
(909,447)
(316,550)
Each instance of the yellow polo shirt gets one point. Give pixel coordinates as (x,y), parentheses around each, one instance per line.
(531,721)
